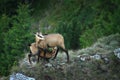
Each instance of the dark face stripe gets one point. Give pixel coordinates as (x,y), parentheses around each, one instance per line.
(40,36)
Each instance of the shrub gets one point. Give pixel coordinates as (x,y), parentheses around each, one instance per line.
(17,38)
(90,36)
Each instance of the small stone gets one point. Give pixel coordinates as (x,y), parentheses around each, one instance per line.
(117,52)
(96,56)
(19,76)
(48,65)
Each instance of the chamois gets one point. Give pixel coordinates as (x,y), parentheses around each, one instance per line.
(51,40)
(34,50)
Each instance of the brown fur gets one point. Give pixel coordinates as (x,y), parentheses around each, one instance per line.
(34,51)
(52,40)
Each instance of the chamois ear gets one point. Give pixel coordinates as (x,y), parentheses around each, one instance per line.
(35,33)
(40,33)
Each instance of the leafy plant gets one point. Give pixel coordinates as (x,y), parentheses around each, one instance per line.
(17,38)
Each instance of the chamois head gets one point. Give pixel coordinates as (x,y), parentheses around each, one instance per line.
(39,36)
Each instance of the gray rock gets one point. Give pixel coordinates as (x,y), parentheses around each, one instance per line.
(97,56)
(48,65)
(117,52)
(19,76)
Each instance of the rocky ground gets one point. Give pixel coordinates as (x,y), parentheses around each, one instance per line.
(101,61)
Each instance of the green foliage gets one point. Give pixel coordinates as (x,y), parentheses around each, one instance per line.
(101,17)
(74,20)
(106,22)
(114,21)
(17,38)
(8,6)
(94,19)
(90,36)
(4,27)
(71,33)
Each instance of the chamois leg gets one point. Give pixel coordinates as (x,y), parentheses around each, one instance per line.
(56,54)
(41,49)
(38,54)
(45,51)
(29,56)
(66,51)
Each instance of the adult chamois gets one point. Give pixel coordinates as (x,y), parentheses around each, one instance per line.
(51,40)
